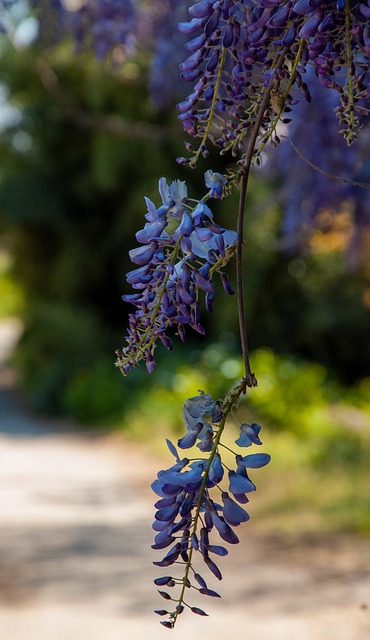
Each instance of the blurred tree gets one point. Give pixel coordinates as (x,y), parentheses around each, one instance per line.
(72,175)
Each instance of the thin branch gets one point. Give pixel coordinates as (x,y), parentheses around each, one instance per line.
(363,185)
(249,376)
(250,379)
(116,125)
(107,123)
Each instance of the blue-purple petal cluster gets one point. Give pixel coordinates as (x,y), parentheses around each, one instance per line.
(248,435)
(102,25)
(198,428)
(165,84)
(128,26)
(181,247)
(215,183)
(188,514)
(305,191)
(233,50)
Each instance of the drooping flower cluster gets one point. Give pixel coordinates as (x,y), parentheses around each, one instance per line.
(234,49)
(95,25)
(309,172)
(102,25)
(181,247)
(135,27)
(187,512)
(165,84)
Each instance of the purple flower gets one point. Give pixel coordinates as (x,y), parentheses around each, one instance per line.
(305,191)
(189,439)
(229,62)
(174,269)
(239,484)
(198,428)
(248,435)
(176,192)
(215,182)
(233,513)
(187,514)
(254,460)
(104,24)
(143,255)
(196,408)
(216,471)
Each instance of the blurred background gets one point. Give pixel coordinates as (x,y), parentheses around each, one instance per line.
(84,136)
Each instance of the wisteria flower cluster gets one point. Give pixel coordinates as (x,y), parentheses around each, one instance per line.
(134,27)
(235,46)
(188,513)
(97,25)
(326,175)
(181,248)
(105,22)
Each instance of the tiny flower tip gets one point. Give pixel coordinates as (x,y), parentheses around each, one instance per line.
(215,182)
(198,611)
(178,191)
(255,460)
(150,362)
(172,449)
(161,612)
(167,624)
(239,484)
(248,435)
(234,514)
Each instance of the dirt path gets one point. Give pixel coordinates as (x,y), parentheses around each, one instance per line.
(75,557)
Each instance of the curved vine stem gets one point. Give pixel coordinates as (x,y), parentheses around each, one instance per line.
(250,378)
(352,117)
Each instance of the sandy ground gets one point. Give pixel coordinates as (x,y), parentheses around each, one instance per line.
(76,562)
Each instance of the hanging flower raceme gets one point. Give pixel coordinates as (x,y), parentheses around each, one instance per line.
(235,46)
(188,514)
(95,25)
(181,248)
(316,171)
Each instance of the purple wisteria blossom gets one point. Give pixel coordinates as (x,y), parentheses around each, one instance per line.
(215,182)
(135,26)
(236,47)
(181,248)
(165,84)
(187,512)
(95,25)
(233,49)
(104,24)
(309,173)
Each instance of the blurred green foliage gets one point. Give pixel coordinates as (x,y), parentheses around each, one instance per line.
(11,292)
(71,199)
